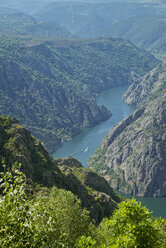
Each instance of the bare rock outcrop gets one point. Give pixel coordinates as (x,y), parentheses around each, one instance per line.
(133,154)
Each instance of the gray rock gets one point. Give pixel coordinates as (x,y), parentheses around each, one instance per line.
(134,151)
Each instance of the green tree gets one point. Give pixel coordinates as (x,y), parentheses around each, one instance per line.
(132,226)
(56,220)
(85,242)
(17,227)
(66,218)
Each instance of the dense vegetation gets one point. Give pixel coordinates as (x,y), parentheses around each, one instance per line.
(18,145)
(57,219)
(13,22)
(89,19)
(50,85)
(49,214)
(147,32)
(143,24)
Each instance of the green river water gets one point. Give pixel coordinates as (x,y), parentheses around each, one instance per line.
(85,144)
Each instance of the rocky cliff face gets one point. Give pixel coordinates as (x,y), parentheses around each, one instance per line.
(133,154)
(18,145)
(145,88)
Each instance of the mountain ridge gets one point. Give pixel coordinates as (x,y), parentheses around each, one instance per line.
(14,22)
(89,19)
(145,31)
(49,85)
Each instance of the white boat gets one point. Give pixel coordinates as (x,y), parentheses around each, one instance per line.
(86,149)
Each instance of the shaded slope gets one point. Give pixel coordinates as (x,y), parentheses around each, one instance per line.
(147,32)
(17,144)
(88,19)
(13,22)
(29,6)
(51,85)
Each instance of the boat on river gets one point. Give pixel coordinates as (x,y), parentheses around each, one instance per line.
(86,149)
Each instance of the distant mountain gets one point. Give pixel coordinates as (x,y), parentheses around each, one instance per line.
(47,29)
(28,7)
(147,32)
(51,85)
(8,11)
(17,144)
(13,22)
(89,19)
(31,6)
(132,155)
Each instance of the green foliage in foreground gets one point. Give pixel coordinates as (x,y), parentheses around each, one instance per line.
(54,221)
(58,220)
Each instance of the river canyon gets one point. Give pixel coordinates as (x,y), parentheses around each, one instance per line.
(85,144)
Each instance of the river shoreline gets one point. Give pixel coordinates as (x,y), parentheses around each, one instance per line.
(83,145)
(92,137)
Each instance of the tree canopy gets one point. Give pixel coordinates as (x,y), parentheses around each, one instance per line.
(56,219)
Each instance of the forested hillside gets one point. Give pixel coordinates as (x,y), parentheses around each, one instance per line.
(51,85)
(89,19)
(50,215)
(18,145)
(142,22)
(56,57)
(14,22)
(145,31)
